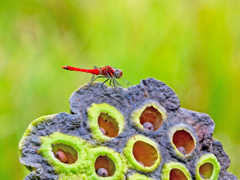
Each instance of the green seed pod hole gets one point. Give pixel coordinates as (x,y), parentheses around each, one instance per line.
(207,167)
(206,170)
(108,125)
(177,174)
(153,116)
(64,153)
(175,171)
(183,141)
(106,163)
(105,121)
(144,153)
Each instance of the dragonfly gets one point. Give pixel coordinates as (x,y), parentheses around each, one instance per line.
(108,72)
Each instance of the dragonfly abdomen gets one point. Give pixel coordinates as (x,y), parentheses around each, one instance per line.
(92,71)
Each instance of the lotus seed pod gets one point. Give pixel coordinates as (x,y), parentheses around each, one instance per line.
(139,133)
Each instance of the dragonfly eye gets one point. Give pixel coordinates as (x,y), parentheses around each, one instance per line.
(118,73)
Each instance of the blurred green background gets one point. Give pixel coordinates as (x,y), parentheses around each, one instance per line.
(193,46)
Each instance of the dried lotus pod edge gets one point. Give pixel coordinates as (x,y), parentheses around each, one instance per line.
(118,160)
(208,158)
(79,145)
(93,113)
(174,165)
(133,163)
(31,126)
(188,129)
(135,115)
(137,176)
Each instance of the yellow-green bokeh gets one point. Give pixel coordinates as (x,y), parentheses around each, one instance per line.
(193,46)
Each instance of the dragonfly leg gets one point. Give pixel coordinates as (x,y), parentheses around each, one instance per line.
(110,82)
(114,83)
(103,83)
(94,79)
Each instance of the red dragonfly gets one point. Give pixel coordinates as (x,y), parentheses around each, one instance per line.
(103,72)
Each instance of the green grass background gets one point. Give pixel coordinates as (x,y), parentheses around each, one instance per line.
(193,46)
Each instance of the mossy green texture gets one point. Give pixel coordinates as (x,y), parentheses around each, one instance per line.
(208,158)
(133,163)
(72,177)
(76,143)
(93,113)
(118,160)
(139,177)
(174,165)
(135,115)
(178,127)
(32,125)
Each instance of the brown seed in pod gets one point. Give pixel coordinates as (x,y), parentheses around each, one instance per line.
(61,156)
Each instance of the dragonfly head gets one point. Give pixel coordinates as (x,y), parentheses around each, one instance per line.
(118,73)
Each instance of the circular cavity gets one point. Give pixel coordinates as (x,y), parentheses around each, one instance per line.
(105,163)
(65,153)
(105,121)
(144,153)
(184,141)
(153,116)
(75,148)
(108,125)
(207,167)
(110,160)
(175,171)
(206,170)
(177,174)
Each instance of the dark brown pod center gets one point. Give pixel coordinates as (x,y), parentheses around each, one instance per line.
(108,125)
(104,166)
(65,153)
(184,142)
(177,174)
(144,153)
(151,116)
(206,170)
